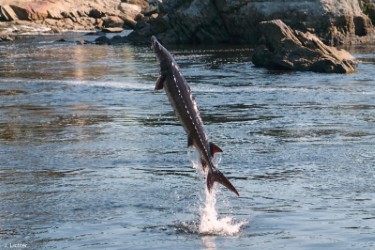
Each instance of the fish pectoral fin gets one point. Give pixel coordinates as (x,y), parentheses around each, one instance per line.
(160,82)
(190,141)
(214,149)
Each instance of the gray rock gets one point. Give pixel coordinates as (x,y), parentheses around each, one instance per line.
(294,50)
(333,21)
(368,7)
(96,13)
(113,22)
(222,21)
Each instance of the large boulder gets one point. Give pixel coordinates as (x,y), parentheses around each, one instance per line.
(286,49)
(130,10)
(223,21)
(334,21)
(192,21)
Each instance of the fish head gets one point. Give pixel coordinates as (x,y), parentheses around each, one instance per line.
(164,57)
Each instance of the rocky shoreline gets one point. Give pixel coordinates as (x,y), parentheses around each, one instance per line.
(55,16)
(191,21)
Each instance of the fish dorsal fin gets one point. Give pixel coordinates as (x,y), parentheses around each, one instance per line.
(214,149)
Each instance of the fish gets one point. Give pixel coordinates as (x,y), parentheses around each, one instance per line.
(187,112)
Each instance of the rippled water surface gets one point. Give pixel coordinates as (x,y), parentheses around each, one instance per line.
(92,158)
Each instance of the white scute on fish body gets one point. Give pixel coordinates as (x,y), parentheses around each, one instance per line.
(185,105)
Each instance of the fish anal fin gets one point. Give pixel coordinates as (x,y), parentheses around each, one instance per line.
(204,164)
(214,149)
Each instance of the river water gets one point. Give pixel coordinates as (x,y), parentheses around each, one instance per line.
(92,158)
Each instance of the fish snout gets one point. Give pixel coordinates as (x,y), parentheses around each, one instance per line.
(154,43)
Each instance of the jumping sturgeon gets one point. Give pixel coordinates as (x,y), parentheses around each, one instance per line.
(186,110)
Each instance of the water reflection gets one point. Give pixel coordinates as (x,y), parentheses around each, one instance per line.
(50,62)
(30,122)
(364,53)
(209,242)
(11,92)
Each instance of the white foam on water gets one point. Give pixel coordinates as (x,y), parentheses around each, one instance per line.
(210,222)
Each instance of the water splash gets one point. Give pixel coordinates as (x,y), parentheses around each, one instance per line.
(210,222)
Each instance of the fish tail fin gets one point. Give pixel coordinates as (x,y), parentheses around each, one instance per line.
(217,176)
